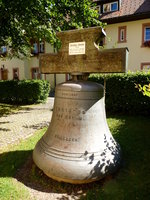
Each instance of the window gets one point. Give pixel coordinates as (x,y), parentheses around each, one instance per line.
(98,8)
(146,35)
(35,73)
(16,74)
(3,50)
(35,48)
(108,7)
(4,74)
(114,6)
(41,47)
(122,32)
(145,66)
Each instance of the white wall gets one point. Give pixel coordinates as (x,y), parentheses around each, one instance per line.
(13,63)
(137,54)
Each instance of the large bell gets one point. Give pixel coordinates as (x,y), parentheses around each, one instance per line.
(78,146)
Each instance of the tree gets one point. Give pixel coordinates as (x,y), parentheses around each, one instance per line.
(21,20)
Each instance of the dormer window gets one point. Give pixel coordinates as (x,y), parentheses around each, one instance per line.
(106,8)
(98,8)
(110,7)
(114,6)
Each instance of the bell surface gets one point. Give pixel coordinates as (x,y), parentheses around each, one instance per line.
(78,146)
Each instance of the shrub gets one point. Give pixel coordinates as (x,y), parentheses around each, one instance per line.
(24,91)
(121,94)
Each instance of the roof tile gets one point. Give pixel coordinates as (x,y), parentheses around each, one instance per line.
(129,7)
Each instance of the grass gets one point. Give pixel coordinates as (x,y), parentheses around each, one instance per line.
(10,161)
(132,181)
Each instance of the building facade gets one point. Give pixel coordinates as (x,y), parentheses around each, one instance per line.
(29,68)
(128,25)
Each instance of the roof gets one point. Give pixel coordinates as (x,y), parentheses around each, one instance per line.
(129,10)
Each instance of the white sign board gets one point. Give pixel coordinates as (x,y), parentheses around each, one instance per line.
(76,48)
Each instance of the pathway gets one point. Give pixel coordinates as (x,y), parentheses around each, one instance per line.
(25,122)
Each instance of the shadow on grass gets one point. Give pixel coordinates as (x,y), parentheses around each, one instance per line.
(131,182)
(34,178)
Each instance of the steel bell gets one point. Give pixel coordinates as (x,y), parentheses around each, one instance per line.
(78,146)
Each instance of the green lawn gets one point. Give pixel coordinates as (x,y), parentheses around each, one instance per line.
(131,182)
(133,179)
(11,159)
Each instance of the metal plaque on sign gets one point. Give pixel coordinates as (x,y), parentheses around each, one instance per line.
(76,48)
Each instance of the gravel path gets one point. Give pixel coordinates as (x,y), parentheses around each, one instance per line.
(25,122)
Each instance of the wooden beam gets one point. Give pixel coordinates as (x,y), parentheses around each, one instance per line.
(80,54)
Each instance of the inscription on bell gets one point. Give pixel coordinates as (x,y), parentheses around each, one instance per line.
(69,113)
(67,139)
(68,94)
(76,48)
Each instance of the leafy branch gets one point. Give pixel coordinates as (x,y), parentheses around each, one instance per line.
(145,89)
(21,21)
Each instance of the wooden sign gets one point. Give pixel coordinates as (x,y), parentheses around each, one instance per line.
(80,54)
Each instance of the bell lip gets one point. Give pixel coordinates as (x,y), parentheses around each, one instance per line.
(73,181)
(114,167)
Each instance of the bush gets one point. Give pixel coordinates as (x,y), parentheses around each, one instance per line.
(24,91)
(121,94)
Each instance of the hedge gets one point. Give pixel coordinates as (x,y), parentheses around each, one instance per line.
(24,91)
(121,94)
